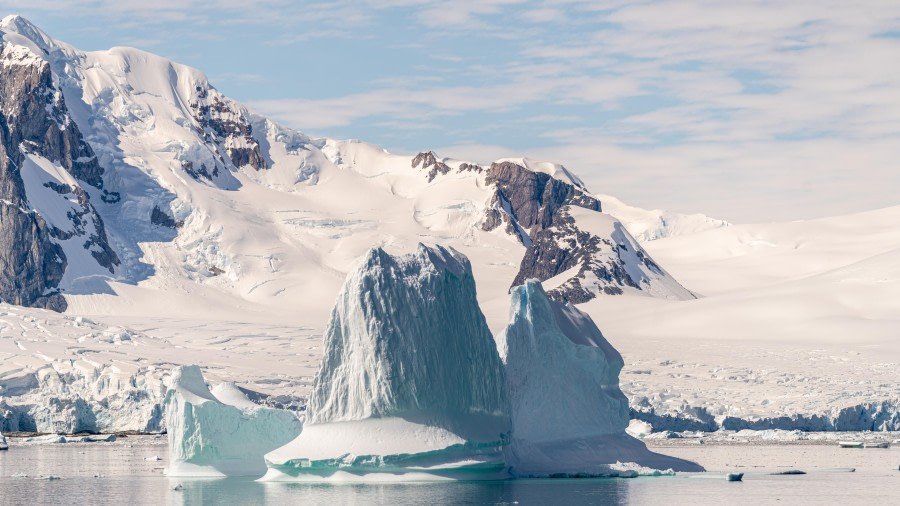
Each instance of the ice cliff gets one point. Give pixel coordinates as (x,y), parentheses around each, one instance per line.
(568,415)
(209,437)
(410,382)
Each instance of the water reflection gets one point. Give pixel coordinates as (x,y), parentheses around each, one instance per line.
(245,491)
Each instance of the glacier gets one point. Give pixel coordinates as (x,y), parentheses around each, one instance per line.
(208,437)
(410,385)
(568,415)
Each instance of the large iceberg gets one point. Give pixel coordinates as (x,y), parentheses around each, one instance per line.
(410,385)
(224,436)
(567,412)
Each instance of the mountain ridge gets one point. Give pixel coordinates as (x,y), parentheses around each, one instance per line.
(180,175)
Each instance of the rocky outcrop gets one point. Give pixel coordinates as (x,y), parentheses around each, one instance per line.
(34,110)
(160,218)
(601,256)
(31,265)
(428,160)
(537,209)
(228,129)
(535,197)
(35,126)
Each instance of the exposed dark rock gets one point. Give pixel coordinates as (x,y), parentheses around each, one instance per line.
(499,212)
(188,167)
(534,207)
(564,246)
(110,197)
(429,160)
(161,218)
(31,264)
(534,197)
(34,120)
(228,129)
(35,111)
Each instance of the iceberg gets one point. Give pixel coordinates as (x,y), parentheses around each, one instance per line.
(3,443)
(209,437)
(410,385)
(568,415)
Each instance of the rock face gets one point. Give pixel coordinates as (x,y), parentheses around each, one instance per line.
(567,236)
(410,382)
(228,130)
(209,436)
(427,160)
(597,255)
(44,212)
(534,197)
(567,412)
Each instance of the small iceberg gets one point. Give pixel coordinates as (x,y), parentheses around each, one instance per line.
(210,438)
(410,386)
(3,444)
(734,477)
(850,444)
(877,444)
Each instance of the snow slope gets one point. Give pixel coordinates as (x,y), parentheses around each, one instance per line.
(649,225)
(797,328)
(214,202)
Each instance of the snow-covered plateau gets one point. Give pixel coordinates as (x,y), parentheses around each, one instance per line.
(173,226)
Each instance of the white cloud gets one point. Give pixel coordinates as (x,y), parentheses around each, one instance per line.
(648,99)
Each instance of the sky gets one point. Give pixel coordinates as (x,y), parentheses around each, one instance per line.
(750,111)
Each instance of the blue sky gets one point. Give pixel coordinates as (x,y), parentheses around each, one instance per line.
(748,110)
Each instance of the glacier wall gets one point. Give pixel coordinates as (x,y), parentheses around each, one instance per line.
(877,415)
(60,398)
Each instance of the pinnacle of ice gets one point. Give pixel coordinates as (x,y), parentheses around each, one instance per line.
(410,383)
(208,437)
(406,337)
(567,412)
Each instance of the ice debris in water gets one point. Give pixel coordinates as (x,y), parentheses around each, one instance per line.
(410,383)
(208,437)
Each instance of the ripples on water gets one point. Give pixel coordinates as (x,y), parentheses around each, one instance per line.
(125,477)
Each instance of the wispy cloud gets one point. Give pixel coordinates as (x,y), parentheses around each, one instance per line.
(749,109)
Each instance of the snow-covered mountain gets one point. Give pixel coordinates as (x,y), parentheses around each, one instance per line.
(174,226)
(127,175)
(649,225)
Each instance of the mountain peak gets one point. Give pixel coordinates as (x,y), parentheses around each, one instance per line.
(20,31)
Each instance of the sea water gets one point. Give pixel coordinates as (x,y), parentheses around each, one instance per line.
(127,472)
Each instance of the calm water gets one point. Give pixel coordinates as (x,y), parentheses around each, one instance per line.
(125,477)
